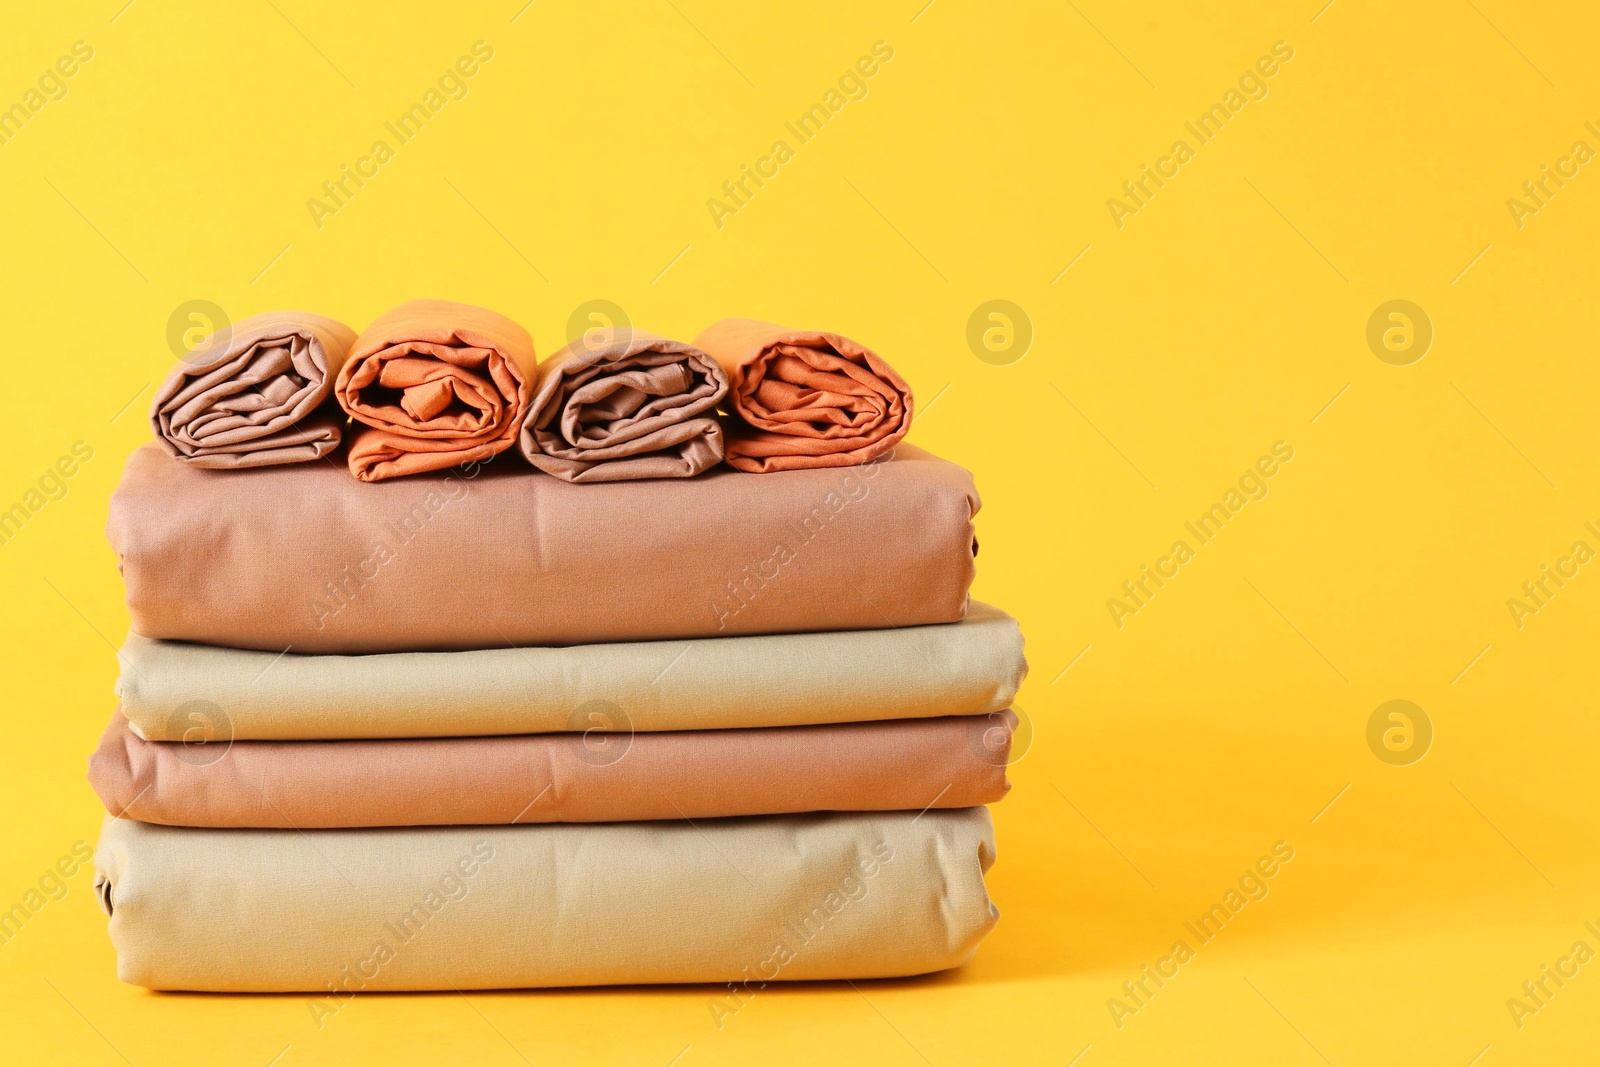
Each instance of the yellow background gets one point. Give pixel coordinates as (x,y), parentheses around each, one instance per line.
(1223,317)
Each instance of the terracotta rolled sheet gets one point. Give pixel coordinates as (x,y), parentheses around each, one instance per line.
(908,764)
(255,394)
(805,398)
(972,667)
(749,901)
(439,384)
(623,404)
(489,556)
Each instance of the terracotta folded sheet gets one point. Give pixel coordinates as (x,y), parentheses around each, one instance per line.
(805,398)
(255,394)
(306,559)
(748,901)
(439,384)
(619,405)
(908,764)
(972,667)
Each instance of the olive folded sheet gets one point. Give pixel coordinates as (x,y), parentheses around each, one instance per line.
(752,900)
(972,667)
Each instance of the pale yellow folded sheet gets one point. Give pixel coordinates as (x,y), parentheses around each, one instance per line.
(973,667)
(335,913)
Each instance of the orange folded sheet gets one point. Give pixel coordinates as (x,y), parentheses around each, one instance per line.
(439,383)
(805,398)
(904,764)
(255,394)
(620,405)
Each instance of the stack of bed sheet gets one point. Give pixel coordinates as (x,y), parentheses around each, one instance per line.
(720,712)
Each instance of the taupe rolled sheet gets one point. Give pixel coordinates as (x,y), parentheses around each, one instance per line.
(256,394)
(972,667)
(748,901)
(623,404)
(494,555)
(437,384)
(903,765)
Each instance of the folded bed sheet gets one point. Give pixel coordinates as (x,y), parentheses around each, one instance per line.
(305,558)
(439,384)
(909,764)
(619,405)
(747,901)
(805,398)
(972,667)
(255,394)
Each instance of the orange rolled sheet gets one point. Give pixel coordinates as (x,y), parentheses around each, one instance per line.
(894,765)
(255,394)
(438,384)
(621,405)
(805,398)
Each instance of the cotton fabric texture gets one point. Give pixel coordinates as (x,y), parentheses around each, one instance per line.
(909,764)
(255,394)
(439,384)
(972,667)
(761,899)
(497,555)
(805,398)
(622,404)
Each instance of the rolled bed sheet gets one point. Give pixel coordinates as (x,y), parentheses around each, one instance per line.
(747,901)
(439,384)
(490,556)
(805,398)
(904,765)
(255,394)
(623,404)
(972,667)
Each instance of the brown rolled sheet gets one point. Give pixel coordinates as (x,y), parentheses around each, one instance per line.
(439,384)
(496,555)
(770,898)
(623,405)
(892,765)
(255,394)
(805,398)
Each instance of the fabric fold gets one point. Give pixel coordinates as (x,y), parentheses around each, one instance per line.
(972,667)
(906,765)
(495,554)
(438,384)
(752,900)
(624,404)
(255,394)
(805,398)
